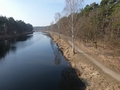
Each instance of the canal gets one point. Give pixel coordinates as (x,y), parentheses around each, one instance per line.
(34,62)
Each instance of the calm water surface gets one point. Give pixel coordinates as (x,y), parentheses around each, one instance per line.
(35,63)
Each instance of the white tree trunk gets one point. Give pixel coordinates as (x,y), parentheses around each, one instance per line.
(59,30)
(73,46)
(72,7)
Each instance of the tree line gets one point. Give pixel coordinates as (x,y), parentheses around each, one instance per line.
(9,26)
(95,23)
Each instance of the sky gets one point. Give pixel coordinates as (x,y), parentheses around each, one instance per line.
(35,12)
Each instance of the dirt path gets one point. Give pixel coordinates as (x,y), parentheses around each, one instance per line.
(94,74)
(105,69)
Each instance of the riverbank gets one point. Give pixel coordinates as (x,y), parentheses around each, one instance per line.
(90,73)
(6,37)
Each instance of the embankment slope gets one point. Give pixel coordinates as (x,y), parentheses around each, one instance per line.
(93,74)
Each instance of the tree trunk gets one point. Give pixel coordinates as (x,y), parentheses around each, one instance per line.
(73,46)
(59,31)
(96,44)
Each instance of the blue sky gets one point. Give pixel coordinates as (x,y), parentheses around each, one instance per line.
(36,12)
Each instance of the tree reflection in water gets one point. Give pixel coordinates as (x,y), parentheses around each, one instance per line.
(57,52)
(70,80)
(5,48)
(6,45)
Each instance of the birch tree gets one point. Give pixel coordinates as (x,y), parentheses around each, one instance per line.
(57,20)
(71,10)
(51,25)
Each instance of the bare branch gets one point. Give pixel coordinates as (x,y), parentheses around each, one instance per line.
(71,11)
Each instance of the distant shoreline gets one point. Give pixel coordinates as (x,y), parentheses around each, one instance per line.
(7,37)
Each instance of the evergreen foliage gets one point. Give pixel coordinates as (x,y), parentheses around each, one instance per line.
(9,26)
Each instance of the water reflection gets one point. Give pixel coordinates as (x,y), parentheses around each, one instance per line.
(46,34)
(70,80)
(57,52)
(22,38)
(32,66)
(7,45)
(4,48)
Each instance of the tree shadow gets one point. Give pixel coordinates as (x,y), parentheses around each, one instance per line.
(70,81)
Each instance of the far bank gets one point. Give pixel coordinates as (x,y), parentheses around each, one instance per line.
(10,36)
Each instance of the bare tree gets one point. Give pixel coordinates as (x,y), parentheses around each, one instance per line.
(71,10)
(57,20)
(51,25)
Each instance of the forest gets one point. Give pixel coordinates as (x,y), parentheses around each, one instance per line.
(98,24)
(10,27)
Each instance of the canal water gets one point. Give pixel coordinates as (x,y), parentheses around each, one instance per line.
(34,62)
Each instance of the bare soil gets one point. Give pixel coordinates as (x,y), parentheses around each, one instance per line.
(90,73)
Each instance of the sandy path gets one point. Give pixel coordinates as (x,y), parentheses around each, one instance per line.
(104,68)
